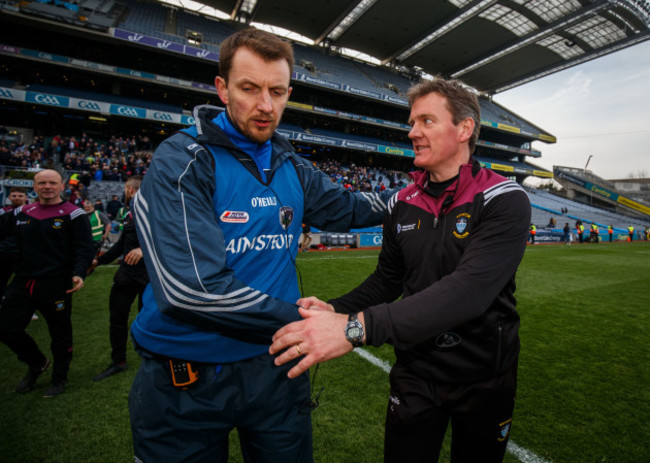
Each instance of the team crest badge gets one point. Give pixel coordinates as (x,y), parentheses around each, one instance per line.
(504,430)
(286,216)
(462,221)
(59,305)
(58,223)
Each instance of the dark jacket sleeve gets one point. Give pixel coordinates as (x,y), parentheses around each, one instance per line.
(84,250)
(184,249)
(486,267)
(115,251)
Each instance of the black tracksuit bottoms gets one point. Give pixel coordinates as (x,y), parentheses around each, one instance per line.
(48,296)
(123,293)
(419,412)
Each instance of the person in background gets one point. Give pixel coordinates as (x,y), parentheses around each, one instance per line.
(100,225)
(567,233)
(532,232)
(129,281)
(452,243)
(99,205)
(306,238)
(8,249)
(113,207)
(55,245)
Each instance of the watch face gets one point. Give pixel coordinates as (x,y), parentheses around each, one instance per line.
(353,332)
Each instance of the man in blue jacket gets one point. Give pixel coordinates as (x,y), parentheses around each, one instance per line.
(219,215)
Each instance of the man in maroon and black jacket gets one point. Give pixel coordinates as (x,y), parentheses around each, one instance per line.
(451,247)
(55,249)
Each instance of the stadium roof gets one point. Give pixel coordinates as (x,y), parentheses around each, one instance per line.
(492,45)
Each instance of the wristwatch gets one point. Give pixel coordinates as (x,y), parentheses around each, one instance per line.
(354,331)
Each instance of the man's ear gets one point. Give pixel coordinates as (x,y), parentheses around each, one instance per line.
(466,129)
(222,89)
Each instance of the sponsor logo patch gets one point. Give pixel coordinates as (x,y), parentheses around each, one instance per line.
(234,217)
(408,227)
(461,225)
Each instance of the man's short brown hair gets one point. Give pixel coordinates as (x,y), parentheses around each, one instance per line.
(268,46)
(134,181)
(462,103)
(18,189)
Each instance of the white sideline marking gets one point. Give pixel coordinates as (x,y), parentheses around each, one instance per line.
(522,454)
(337,258)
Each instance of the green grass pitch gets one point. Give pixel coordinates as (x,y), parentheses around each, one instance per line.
(584,375)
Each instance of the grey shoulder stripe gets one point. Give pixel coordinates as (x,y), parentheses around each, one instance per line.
(499,189)
(76,213)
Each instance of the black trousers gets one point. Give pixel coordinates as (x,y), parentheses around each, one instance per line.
(48,296)
(123,293)
(7,264)
(419,412)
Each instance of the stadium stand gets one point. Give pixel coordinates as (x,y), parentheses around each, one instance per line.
(351,111)
(546,205)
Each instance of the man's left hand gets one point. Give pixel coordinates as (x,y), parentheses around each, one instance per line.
(133,257)
(77,284)
(318,338)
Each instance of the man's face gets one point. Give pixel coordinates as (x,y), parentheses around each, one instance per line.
(88,206)
(256,93)
(17,198)
(48,185)
(440,146)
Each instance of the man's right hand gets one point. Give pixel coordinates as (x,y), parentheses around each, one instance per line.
(313,303)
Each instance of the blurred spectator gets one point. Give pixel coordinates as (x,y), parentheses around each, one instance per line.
(113,207)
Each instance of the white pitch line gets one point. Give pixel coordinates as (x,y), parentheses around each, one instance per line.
(522,454)
(311,259)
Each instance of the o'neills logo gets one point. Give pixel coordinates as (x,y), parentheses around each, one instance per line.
(234,217)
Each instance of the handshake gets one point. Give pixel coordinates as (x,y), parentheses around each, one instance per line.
(321,335)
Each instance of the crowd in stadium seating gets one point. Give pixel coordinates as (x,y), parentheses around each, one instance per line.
(361,178)
(122,156)
(115,159)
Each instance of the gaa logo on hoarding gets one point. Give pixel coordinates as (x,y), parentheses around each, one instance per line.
(126,111)
(47,99)
(91,105)
(162,116)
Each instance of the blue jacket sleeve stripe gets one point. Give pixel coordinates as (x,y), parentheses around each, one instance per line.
(375,201)
(171,286)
